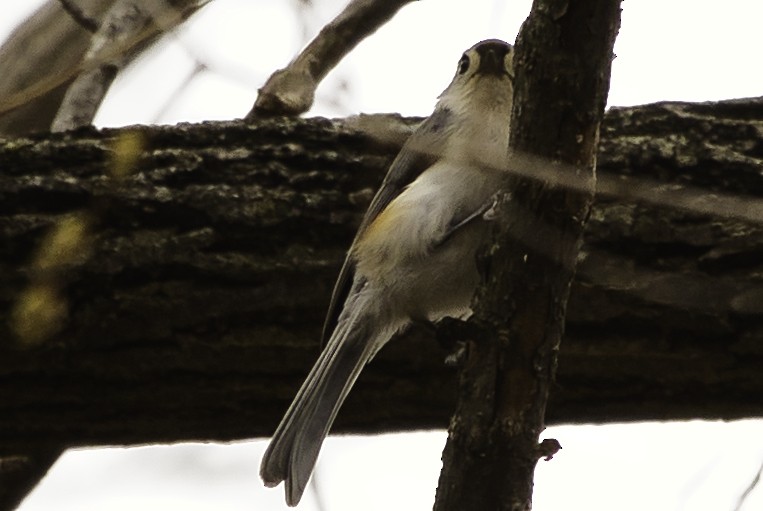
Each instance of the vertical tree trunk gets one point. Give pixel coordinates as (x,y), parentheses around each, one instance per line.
(563,60)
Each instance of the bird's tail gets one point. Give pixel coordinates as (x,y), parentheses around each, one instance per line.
(294,449)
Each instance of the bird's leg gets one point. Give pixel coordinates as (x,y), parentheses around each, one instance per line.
(485,212)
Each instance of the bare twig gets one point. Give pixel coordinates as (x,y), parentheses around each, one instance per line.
(393,129)
(746,493)
(45,54)
(123,22)
(126,24)
(291,90)
(78,15)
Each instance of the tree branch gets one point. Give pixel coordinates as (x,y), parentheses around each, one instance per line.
(562,68)
(78,15)
(125,25)
(195,312)
(41,58)
(126,20)
(290,91)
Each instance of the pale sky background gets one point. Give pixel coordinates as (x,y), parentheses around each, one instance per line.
(667,50)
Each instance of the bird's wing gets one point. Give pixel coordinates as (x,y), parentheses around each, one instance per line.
(418,154)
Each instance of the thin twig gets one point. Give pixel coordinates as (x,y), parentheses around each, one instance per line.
(291,91)
(126,24)
(122,22)
(677,196)
(746,493)
(131,49)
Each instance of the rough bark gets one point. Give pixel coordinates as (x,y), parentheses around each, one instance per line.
(562,69)
(196,311)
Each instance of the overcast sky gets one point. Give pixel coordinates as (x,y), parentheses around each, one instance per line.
(667,50)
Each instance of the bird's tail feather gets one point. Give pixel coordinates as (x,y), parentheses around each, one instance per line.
(294,449)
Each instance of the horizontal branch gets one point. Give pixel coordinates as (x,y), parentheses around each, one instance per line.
(192,307)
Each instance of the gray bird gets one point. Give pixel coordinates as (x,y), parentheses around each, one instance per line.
(414,256)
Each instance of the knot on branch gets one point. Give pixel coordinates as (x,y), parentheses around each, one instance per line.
(548,448)
(289,91)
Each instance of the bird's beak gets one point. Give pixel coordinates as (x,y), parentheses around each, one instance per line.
(492,59)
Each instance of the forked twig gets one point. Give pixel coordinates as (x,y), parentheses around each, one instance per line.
(127,23)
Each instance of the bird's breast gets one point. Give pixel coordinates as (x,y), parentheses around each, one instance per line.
(405,235)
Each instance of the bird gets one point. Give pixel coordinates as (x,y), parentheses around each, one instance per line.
(414,257)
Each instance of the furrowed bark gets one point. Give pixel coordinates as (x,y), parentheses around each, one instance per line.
(562,67)
(195,313)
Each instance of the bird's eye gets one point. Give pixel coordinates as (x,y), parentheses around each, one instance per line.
(463,64)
